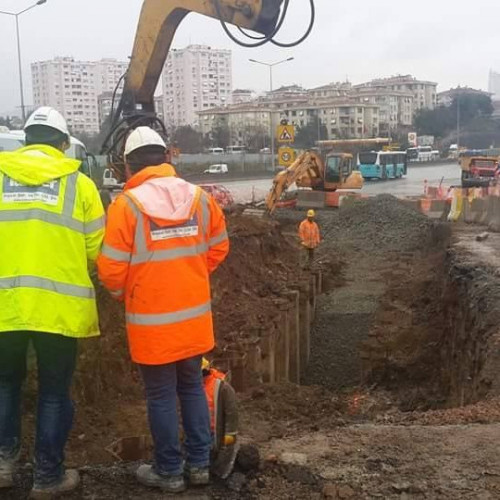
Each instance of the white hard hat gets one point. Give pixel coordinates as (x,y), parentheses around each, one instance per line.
(141,137)
(48,117)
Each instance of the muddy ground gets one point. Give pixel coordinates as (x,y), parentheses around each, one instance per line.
(383,411)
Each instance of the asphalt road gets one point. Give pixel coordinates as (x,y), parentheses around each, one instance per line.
(411,185)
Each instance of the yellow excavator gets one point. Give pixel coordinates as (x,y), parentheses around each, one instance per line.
(158,23)
(309,170)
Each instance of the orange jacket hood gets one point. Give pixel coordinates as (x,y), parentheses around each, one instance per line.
(162,196)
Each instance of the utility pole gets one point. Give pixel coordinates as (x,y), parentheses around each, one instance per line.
(271,120)
(19,59)
(458,122)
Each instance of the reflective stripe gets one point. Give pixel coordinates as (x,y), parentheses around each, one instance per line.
(171,254)
(95,225)
(43,215)
(140,237)
(114,254)
(218,239)
(204,214)
(168,318)
(70,194)
(116,293)
(48,285)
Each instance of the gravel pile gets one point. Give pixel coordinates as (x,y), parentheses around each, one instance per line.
(380,223)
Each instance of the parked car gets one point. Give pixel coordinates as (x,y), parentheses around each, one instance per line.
(220,168)
(216,151)
(221,194)
(109,181)
(266,151)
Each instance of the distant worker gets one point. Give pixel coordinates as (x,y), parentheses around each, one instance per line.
(164,237)
(51,231)
(223,409)
(309,235)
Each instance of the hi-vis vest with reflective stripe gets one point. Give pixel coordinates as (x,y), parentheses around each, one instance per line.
(48,233)
(163,274)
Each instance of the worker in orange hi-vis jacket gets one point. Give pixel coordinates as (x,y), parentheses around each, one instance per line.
(309,235)
(164,236)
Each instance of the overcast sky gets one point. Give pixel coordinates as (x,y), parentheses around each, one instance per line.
(445,41)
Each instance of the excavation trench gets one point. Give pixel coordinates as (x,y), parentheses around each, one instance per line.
(398,321)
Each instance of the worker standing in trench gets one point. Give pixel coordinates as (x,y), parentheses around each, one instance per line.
(164,237)
(51,228)
(310,236)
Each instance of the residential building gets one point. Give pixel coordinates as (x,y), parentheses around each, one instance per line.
(240,96)
(395,107)
(494,84)
(337,89)
(195,79)
(73,88)
(446,98)
(342,118)
(424,92)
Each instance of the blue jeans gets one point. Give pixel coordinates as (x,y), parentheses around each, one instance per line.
(56,359)
(163,383)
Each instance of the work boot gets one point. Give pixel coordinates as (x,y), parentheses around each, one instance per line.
(7,466)
(69,482)
(171,484)
(198,476)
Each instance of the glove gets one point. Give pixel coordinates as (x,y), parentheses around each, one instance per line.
(229,440)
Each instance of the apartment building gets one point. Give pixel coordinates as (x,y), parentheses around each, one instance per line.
(73,88)
(105,104)
(494,84)
(195,79)
(342,118)
(447,97)
(424,92)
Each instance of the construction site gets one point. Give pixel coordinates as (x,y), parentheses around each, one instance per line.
(372,375)
(370,371)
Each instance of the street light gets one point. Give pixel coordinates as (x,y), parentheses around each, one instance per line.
(271,66)
(16,15)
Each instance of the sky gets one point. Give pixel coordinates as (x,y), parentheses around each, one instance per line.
(449,42)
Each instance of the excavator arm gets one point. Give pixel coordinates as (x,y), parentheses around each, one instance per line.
(308,165)
(158,23)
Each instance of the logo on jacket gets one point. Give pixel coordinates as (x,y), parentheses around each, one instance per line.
(189,228)
(15,192)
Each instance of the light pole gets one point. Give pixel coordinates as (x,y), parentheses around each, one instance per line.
(458,122)
(271,66)
(16,15)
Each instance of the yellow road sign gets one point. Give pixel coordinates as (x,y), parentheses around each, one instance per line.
(286,156)
(286,134)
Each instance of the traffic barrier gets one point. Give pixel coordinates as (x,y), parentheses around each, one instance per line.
(494,213)
(456,210)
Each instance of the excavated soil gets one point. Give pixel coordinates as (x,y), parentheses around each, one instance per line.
(401,398)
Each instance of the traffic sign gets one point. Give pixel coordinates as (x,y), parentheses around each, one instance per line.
(286,156)
(286,134)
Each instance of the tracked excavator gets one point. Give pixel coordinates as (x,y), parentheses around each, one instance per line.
(310,170)
(159,20)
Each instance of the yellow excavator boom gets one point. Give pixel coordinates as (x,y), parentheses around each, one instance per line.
(158,23)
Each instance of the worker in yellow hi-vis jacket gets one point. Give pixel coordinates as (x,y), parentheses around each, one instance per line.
(51,231)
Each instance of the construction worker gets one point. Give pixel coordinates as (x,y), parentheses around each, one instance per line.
(51,228)
(223,409)
(164,237)
(309,235)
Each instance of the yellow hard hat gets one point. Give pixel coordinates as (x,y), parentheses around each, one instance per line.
(311,213)
(205,364)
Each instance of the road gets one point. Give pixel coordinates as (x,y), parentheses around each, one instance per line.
(411,185)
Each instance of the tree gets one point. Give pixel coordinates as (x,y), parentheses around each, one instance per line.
(220,135)
(307,135)
(443,120)
(187,139)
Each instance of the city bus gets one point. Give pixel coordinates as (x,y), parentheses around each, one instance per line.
(382,164)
